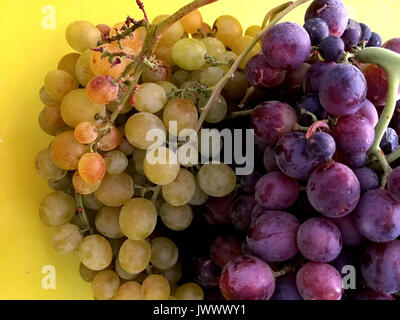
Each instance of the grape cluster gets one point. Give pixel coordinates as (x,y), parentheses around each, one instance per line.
(180,230)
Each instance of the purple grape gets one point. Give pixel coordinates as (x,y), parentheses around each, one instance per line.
(353,161)
(331,49)
(333,12)
(321,146)
(247,278)
(248,183)
(319,281)
(270,160)
(365,33)
(333,190)
(350,234)
(368,111)
(256,212)
(369,294)
(368,179)
(342,90)
(352,35)
(225,249)
(292,156)
(275,191)
(375,40)
(393,44)
(285,288)
(241,211)
(260,73)
(377,216)
(310,103)
(395,124)
(271,120)
(314,75)
(347,257)
(295,77)
(353,134)
(218,210)
(205,271)
(319,240)
(393,184)
(390,141)
(317,30)
(286,45)
(272,236)
(380,266)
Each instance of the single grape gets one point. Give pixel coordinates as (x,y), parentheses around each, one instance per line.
(224,249)
(60,185)
(285,289)
(66,238)
(134,255)
(215,48)
(236,87)
(90,201)
(155,287)
(130,290)
(107,222)
(211,76)
(331,49)
(241,44)
(95,252)
(161,166)
(375,40)
(115,189)
(173,33)
(83,70)
(189,291)
(352,160)
(260,73)
(390,141)
(82,35)
(180,77)
(85,132)
(83,187)
(110,140)
(365,33)
(218,210)
(86,273)
(241,211)
(46,167)
(352,35)
(116,162)
(321,146)
(162,72)
(163,52)
(392,44)
(150,98)
(45,97)
(176,218)
(164,253)
(189,54)
(227,29)
(270,159)
(92,167)
(369,112)
(58,83)
(52,115)
(218,109)
(252,30)
(199,197)
(192,21)
(368,179)
(183,113)
(369,294)
(56,209)
(173,275)
(205,272)
(102,90)
(317,30)
(181,190)
(314,75)
(350,234)
(393,184)
(216,179)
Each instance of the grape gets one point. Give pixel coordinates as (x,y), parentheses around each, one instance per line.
(58,83)
(333,12)
(216,179)
(102,90)
(248,183)
(390,141)
(164,253)
(163,52)
(247,278)
(378,216)
(241,44)
(270,159)
(46,167)
(155,287)
(92,167)
(115,189)
(83,70)
(319,240)
(56,209)
(252,30)
(317,30)
(66,238)
(286,45)
(162,72)
(224,249)
(60,185)
(189,291)
(260,73)
(314,75)
(379,266)
(192,21)
(174,32)
(392,44)
(321,146)
(365,33)
(52,115)
(236,87)
(150,98)
(218,210)
(352,35)
(227,29)
(130,290)
(241,211)
(218,109)
(110,140)
(181,111)
(105,284)
(375,40)
(90,201)
(205,272)
(393,183)
(331,49)
(47,127)
(167,86)
(138,127)
(161,166)
(138,218)
(368,179)
(180,77)
(138,159)
(285,289)
(134,255)
(85,132)
(215,48)
(82,35)
(210,145)
(199,197)
(95,252)
(189,54)
(319,281)
(45,97)
(271,120)
(181,190)
(104,30)
(350,234)
(342,89)
(86,274)
(275,191)
(107,222)
(116,162)
(333,190)
(83,187)
(369,294)
(211,76)
(176,218)
(292,157)
(173,275)
(353,161)
(133,42)
(369,112)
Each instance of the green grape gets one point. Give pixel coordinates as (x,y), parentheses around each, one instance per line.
(180,77)
(210,144)
(161,166)
(188,155)
(218,110)
(107,222)
(215,48)
(211,76)
(189,54)
(173,275)
(168,87)
(252,30)
(130,290)
(192,22)
(66,238)
(138,160)
(199,197)
(115,245)
(173,33)
(181,190)
(196,75)
(139,125)
(189,291)
(181,112)
(122,273)
(90,201)
(228,29)
(59,185)
(83,70)
(163,52)
(216,179)
(116,162)
(164,253)
(86,273)
(125,147)
(56,209)
(115,189)
(227,56)
(59,83)
(105,284)
(68,63)
(45,97)
(47,127)
(176,218)
(236,87)
(134,255)
(150,98)
(138,218)
(82,35)
(47,168)
(95,252)
(155,287)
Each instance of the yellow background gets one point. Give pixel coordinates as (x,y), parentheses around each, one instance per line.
(27,52)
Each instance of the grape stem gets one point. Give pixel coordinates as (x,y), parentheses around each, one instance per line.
(156,193)
(86,229)
(278,13)
(390,62)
